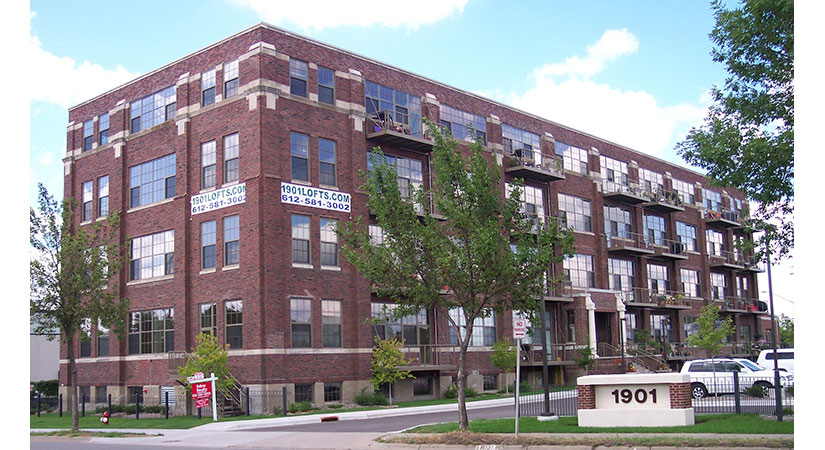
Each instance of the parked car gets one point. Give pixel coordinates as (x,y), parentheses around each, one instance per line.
(784,356)
(715,376)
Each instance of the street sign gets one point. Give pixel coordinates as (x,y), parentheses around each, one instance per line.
(519,328)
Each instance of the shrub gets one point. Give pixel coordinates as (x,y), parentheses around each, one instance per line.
(756,391)
(48,388)
(297,407)
(451,392)
(335,406)
(365,398)
(130,409)
(470,392)
(787,411)
(789,391)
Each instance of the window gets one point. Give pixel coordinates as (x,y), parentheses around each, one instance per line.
(208,87)
(715,241)
(331,322)
(687,236)
(621,275)
(718,286)
(231,240)
(86,212)
(152,256)
(520,142)
(661,328)
(532,203)
(614,174)
(376,235)
(326,162)
(103,196)
(152,331)
(85,394)
(230,79)
(303,392)
(208,318)
(393,107)
(691,327)
(300,312)
(464,125)
(690,283)
(409,173)
(329,242)
(489,382)
(332,392)
(300,239)
(152,181)
(484,328)
(297,77)
(742,290)
(631,327)
(424,385)
(617,222)
(230,158)
(326,85)
(234,323)
(651,181)
(571,325)
(713,200)
(88,134)
(412,330)
(578,269)
(299,145)
(574,158)
(100,394)
(576,211)
(655,230)
(85,339)
(102,340)
(208,173)
(685,190)
(103,134)
(153,109)
(208,244)
(657,279)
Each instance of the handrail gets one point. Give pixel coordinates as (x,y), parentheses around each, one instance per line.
(228,393)
(538,160)
(399,122)
(660,298)
(609,187)
(663,195)
(622,239)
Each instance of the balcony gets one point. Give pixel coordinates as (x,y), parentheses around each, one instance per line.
(558,354)
(535,166)
(430,357)
(627,194)
(725,218)
(397,130)
(629,243)
(665,201)
(646,298)
(727,260)
(668,249)
(559,292)
(434,213)
(739,304)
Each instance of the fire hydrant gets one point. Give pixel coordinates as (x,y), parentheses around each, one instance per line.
(105,417)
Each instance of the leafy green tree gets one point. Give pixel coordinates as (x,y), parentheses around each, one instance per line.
(712,331)
(73,274)
(747,140)
(460,257)
(208,356)
(786,330)
(386,358)
(586,358)
(504,356)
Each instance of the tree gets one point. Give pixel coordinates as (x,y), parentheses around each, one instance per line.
(712,331)
(462,260)
(504,356)
(747,140)
(786,330)
(386,358)
(586,358)
(207,357)
(73,277)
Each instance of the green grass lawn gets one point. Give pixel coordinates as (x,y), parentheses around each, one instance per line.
(716,423)
(91,421)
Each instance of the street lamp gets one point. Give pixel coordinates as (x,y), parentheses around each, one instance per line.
(775,333)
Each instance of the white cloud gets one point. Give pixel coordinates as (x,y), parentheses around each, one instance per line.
(62,81)
(335,13)
(612,45)
(46,158)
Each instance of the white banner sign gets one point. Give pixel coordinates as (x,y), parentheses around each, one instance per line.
(217,199)
(297,194)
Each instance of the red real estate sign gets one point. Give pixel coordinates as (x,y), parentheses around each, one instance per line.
(201,392)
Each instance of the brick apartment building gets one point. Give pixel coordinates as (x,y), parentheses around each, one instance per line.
(231,166)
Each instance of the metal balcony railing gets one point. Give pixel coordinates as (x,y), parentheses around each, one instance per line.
(668,248)
(726,258)
(531,353)
(431,355)
(726,217)
(630,193)
(533,164)
(662,299)
(630,242)
(398,129)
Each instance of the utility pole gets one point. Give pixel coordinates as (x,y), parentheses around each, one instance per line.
(776,385)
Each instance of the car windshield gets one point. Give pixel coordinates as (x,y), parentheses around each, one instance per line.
(751,365)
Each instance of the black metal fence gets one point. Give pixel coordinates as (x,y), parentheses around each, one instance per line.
(563,401)
(734,394)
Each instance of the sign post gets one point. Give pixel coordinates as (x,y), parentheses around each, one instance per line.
(519,332)
(203,389)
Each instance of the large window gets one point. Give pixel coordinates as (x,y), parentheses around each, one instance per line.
(742,290)
(208,173)
(102,340)
(152,331)
(614,174)
(326,85)
(103,196)
(655,230)
(413,329)
(571,325)
(715,242)
(234,323)
(617,222)
(208,87)
(661,328)
(463,125)
(230,158)
(621,274)
(208,244)
(303,392)
(576,212)
(332,392)
(153,109)
(300,312)
(103,134)
(152,181)
(409,173)
(85,339)
(657,279)
(299,147)
(651,181)
(230,79)
(578,269)
(300,239)
(713,200)
(574,158)
(687,236)
(209,318)
(532,202)
(515,139)
(88,192)
(397,106)
(297,77)
(685,190)
(690,283)
(376,235)
(326,162)
(152,256)
(331,322)
(718,286)
(484,328)
(329,242)
(88,134)
(231,240)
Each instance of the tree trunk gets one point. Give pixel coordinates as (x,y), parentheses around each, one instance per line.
(463,422)
(72,382)
(390,386)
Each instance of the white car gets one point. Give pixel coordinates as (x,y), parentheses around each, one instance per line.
(715,376)
(784,358)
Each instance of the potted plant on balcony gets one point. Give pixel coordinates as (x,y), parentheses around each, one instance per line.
(662,299)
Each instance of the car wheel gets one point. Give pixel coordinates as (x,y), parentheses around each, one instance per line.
(698,390)
(763,384)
